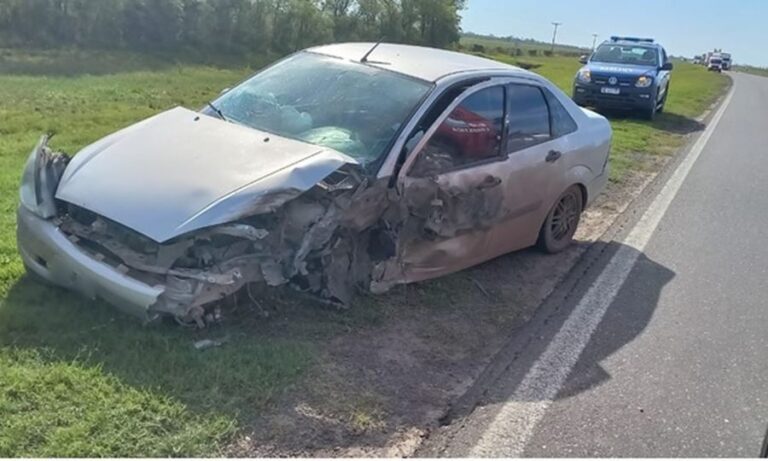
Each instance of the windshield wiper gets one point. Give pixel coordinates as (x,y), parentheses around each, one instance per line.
(217,111)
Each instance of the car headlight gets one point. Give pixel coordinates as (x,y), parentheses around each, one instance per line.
(584,76)
(28,190)
(644,81)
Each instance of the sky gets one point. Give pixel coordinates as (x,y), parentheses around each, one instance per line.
(683,27)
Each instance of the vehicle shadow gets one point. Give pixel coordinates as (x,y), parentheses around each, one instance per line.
(666,121)
(625,320)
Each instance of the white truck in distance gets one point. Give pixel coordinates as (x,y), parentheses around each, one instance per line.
(726,57)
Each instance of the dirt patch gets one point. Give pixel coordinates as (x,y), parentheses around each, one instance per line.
(376,391)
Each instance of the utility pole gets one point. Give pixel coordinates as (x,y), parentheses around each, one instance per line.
(594,42)
(554,35)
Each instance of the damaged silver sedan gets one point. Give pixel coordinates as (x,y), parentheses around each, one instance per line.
(340,168)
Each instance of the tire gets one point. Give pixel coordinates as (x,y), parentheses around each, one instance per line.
(663,102)
(563,219)
(650,113)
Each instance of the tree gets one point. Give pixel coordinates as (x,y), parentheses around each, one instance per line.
(225,26)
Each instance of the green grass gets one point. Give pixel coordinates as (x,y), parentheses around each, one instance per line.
(493,43)
(761,71)
(79,379)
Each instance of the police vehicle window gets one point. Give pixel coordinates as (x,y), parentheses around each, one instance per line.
(626,54)
(528,117)
(664,56)
(561,120)
(471,133)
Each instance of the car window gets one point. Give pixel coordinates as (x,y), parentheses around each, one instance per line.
(626,54)
(528,117)
(664,56)
(561,121)
(470,134)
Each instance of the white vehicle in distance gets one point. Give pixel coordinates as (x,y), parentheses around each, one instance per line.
(726,57)
(715,64)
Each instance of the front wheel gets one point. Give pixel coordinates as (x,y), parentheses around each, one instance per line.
(562,221)
(663,101)
(650,113)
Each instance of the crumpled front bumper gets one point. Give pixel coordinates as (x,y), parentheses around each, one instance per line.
(48,252)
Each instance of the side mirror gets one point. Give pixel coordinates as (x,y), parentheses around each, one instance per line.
(583,59)
(667,66)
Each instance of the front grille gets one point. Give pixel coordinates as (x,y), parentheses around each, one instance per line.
(622,81)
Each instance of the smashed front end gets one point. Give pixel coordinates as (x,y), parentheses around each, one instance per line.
(317,241)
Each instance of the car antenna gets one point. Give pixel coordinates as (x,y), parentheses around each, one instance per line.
(365,58)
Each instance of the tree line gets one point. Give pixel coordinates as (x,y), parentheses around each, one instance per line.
(225,26)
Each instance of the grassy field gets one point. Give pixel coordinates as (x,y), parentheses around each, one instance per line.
(77,378)
(762,71)
(494,43)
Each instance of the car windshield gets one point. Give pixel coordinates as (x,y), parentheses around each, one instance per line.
(626,54)
(350,107)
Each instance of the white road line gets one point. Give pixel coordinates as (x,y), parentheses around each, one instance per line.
(509,432)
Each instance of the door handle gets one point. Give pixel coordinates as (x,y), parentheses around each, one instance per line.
(553,156)
(488,182)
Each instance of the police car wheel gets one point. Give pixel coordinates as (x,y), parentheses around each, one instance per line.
(650,113)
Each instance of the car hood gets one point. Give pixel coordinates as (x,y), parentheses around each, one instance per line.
(181,171)
(620,69)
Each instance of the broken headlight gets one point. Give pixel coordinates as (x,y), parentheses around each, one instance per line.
(40,179)
(28,192)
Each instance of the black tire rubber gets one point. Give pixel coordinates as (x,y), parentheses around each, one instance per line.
(663,102)
(549,241)
(650,113)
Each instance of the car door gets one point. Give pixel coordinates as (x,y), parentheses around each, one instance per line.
(538,156)
(461,183)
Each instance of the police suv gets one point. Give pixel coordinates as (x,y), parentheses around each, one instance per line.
(625,73)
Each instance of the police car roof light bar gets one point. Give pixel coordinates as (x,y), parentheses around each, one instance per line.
(631,39)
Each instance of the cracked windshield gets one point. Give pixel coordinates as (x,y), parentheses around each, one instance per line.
(350,107)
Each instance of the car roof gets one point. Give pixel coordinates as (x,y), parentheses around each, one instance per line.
(424,63)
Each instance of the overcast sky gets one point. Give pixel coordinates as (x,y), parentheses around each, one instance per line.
(684,27)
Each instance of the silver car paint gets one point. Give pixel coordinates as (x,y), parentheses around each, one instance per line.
(208,172)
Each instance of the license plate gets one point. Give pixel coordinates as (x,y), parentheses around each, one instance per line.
(610,90)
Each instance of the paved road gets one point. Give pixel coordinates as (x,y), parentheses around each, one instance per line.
(678,364)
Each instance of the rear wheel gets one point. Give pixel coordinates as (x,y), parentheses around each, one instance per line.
(562,221)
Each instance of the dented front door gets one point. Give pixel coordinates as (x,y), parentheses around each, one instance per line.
(480,182)
(452,191)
